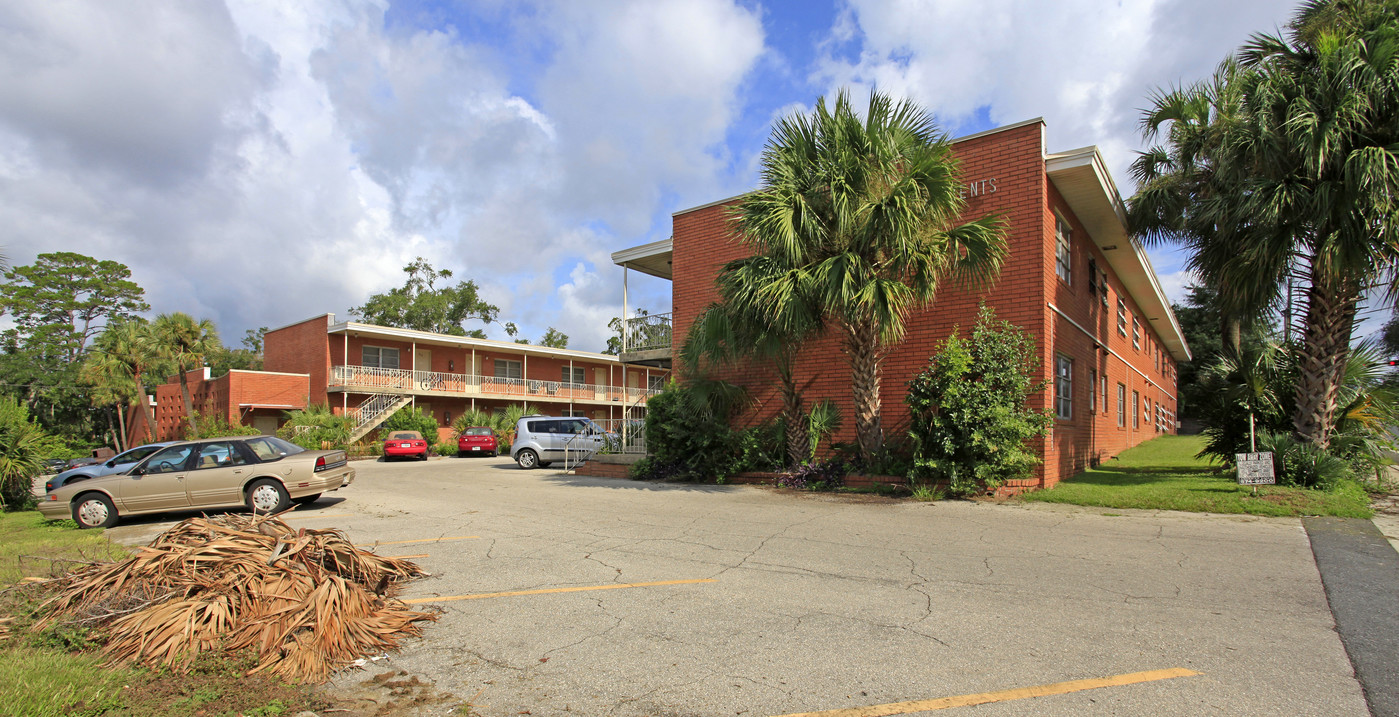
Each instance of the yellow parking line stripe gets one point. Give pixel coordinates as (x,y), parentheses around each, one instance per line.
(314,515)
(614,586)
(407,557)
(422,540)
(1019,693)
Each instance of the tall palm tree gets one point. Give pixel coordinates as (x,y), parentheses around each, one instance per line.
(185,341)
(860,216)
(121,357)
(1308,173)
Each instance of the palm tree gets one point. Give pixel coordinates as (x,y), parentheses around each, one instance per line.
(185,341)
(859,218)
(1322,145)
(747,324)
(1286,165)
(121,357)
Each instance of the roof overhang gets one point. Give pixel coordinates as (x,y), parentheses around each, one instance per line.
(1082,178)
(427,338)
(653,259)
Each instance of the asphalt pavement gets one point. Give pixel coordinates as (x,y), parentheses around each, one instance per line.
(564,595)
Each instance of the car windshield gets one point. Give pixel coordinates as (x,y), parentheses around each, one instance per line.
(271,448)
(405,436)
(135,454)
(477,432)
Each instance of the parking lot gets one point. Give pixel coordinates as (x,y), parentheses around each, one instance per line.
(568,595)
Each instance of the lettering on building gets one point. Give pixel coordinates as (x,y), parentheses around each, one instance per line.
(979,187)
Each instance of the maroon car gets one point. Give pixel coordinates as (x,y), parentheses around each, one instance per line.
(405,444)
(478,441)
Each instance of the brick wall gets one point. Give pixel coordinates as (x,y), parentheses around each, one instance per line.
(303,347)
(1005,175)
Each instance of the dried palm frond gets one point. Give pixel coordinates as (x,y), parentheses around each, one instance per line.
(307,601)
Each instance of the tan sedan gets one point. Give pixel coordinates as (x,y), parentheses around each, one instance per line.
(264,473)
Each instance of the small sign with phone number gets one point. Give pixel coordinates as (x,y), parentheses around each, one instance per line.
(1255,468)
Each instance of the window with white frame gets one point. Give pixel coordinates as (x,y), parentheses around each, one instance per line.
(1121,405)
(1092,390)
(1063,259)
(379,357)
(1064,386)
(1122,317)
(505,368)
(655,383)
(1136,409)
(574,377)
(1105,394)
(1136,333)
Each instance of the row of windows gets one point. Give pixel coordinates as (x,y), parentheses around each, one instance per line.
(1142,410)
(570,376)
(1098,284)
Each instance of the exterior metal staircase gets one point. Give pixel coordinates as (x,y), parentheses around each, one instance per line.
(372,412)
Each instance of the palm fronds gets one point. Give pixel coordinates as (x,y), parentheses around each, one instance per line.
(307,602)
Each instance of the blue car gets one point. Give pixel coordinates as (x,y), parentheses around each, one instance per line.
(119,463)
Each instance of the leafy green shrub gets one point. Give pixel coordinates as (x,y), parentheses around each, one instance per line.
(409,418)
(817,475)
(213,426)
(968,418)
(688,436)
(317,426)
(445,448)
(1305,465)
(22,447)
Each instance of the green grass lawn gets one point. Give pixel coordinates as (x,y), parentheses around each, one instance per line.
(1164,474)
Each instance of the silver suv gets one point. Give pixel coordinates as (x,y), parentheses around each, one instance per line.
(541,440)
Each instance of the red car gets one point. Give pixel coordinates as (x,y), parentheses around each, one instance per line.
(477,440)
(405,444)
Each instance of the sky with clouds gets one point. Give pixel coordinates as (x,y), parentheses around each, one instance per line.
(258,162)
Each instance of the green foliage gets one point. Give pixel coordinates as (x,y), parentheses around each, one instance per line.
(409,418)
(22,449)
(1304,465)
(185,342)
(419,304)
(858,223)
(554,338)
(212,426)
(123,364)
(969,421)
(317,426)
(445,448)
(688,437)
(57,305)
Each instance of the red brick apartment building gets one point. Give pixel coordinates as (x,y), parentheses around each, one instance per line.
(368,372)
(1074,278)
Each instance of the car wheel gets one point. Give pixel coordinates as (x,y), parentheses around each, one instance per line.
(306,499)
(267,496)
(527,459)
(94,510)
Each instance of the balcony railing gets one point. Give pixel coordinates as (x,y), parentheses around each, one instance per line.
(436,382)
(646,333)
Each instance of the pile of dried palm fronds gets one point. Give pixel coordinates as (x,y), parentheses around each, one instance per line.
(307,601)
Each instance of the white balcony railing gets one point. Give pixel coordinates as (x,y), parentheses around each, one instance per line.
(436,382)
(647,332)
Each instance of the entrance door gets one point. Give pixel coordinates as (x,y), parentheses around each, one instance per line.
(266,425)
(600,384)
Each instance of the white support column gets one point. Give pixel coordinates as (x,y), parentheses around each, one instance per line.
(625,332)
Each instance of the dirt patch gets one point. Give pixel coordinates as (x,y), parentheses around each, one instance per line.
(391,693)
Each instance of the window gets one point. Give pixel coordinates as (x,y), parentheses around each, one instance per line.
(1136,333)
(170,460)
(219,455)
(655,383)
(1146,411)
(1103,279)
(1064,386)
(505,368)
(377,357)
(1121,405)
(1136,413)
(1092,275)
(1092,390)
(1105,394)
(1063,260)
(574,377)
(1121,317)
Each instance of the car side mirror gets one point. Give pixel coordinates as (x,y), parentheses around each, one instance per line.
(111,464)
(138,471)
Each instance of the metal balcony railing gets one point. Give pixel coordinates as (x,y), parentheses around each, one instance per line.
(409,382)
(646,333)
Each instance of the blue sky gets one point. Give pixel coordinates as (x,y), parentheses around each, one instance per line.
(258,162)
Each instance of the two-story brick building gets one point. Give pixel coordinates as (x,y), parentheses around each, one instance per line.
(368,372)
(1074,279)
